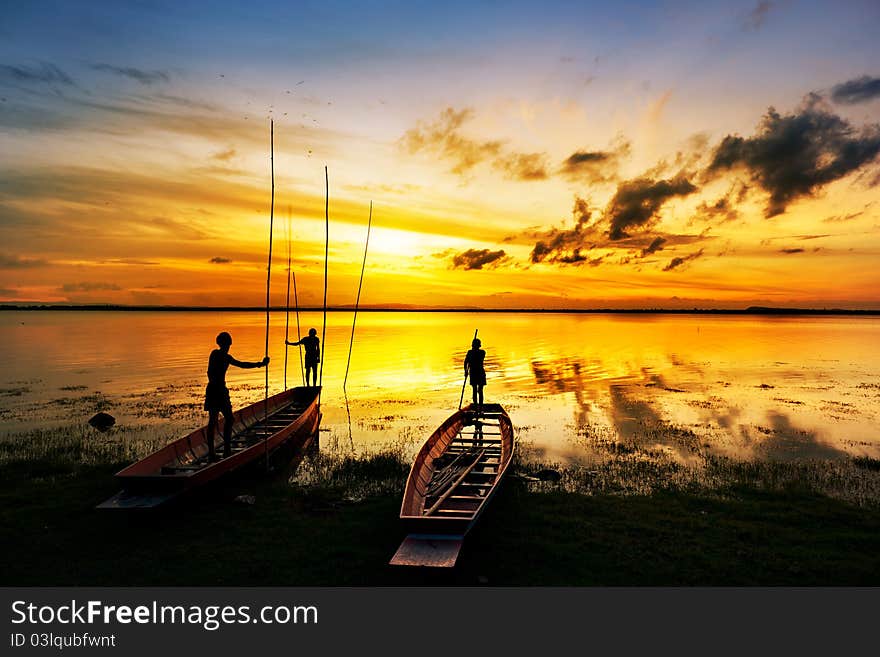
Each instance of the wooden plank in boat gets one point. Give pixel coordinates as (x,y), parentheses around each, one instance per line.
(455,483)
(465,504)
(428,551)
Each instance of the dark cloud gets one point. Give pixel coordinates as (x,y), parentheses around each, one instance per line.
(839,218)
(137,74)
(630,214)
(794,155)
(791,251)
(722,209)
(17,262)
(564,246)
(595,166)
(8,292)
(522,166)
(655,245)
(88,287)
(579,158)
(576,257)
(858,90)
(758,15)
(637,202)
(677,262)
(41,73)
(445,138)
(477,259)
(220,260)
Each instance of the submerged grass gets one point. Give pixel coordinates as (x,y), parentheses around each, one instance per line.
(642,473)
(351,477)
(617,468)
(66,450)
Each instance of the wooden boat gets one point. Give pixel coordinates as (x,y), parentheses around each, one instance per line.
(452,479)
(290,417)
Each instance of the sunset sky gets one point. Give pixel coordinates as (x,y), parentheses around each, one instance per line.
(537,154)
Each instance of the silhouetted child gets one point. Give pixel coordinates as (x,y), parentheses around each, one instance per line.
(313,353)
(473,366)
(217,394)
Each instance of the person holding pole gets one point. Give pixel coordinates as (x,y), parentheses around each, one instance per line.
(312,345)
(473,368)
(217,394)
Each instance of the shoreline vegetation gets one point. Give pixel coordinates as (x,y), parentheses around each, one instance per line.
(751,310)
(639,518)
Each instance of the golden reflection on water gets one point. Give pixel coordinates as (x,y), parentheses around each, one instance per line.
(762,387)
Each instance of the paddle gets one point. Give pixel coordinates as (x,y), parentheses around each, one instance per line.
(464,383)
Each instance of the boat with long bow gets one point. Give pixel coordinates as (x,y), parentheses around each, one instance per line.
(452,480)
(288,418)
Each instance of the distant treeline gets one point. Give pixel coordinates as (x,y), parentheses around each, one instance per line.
(751,310)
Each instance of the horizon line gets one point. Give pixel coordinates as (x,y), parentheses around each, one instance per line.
(749,310)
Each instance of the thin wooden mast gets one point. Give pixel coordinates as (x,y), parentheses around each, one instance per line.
(326,253)
(358,301)
(287,308)
(298,330)
(268,280)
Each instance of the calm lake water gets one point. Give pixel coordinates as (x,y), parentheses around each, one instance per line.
(750,387)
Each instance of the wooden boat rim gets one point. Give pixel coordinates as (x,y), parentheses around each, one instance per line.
(132,472)
(471,516)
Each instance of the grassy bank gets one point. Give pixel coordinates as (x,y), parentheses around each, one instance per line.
(333,521)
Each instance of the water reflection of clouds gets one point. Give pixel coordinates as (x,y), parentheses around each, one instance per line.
(787,442)
(637,407)
(633,417)
(572,375)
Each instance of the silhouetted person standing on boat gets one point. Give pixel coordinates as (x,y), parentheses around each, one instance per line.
(217,394)
(473,367)
(313,353)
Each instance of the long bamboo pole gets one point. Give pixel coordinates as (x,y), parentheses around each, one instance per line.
(326,253)
(298,330)
(268,281)
(287,308)
(358,301)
